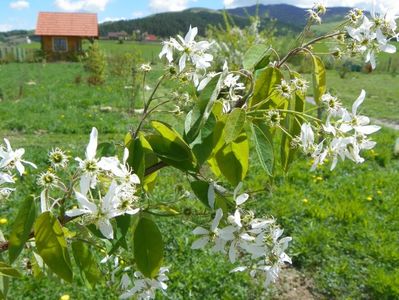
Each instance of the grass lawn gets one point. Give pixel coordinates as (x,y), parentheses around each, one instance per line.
(344,223)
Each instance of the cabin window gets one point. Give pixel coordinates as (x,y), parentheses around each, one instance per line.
(60,44)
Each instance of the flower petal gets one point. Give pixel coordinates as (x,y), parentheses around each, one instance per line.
(92,146)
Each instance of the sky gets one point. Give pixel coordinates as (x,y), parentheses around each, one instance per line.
(21,14)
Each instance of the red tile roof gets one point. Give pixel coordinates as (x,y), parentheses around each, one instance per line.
(67,24)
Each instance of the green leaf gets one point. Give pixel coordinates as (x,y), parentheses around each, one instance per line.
(21,228)
(106,149)
(264,148)
(293,126)
(265,81)
(233,159)
(203,145)
(150,159)
(234,124)
(148,247)
(4,286)
(86,263)
(256,57)
(197,117)
(171,148)
(52,246)
(136,159)
(319,79)
(8,271)
(200,189)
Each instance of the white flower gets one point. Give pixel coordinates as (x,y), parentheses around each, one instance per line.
(371,39)
(284,89)
(207,235)
(320,7)
(13,159)
(5,193)
(145,288)
(6,178)
(145,67)
(192,50)
(204,81)
(47,180)
(307,138)
(122,171)
(242,198)
(58,159)
(334,106)
(355,15)
(273,117)
(167,49)
(313,16)
(91,166)
(101,214)
(357,122)
(300,85)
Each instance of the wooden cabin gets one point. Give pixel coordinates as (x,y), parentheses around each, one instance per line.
(62,33)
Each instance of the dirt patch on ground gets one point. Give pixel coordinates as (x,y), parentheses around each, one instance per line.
(386,123)
(294,285)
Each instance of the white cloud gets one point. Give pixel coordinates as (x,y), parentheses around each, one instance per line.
(6,27)
(82,5)
(366,4)
(164,5)
(112,19)
(21,4)
(138,14)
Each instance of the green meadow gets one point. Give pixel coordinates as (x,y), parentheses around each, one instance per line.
(344,223)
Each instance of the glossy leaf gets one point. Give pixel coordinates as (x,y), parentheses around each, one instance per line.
(203,145)
(136,158)
(234,124)
(264,148)
(319,79)
(171,148)
(52,246)
(265,81)
(150,159)
(86,262)
(198,116)
(233,159)
(21,228)
(8,271)
(256,57)
(148,247)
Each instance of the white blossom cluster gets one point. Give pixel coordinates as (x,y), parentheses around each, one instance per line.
(315,13)
(144,288)
(345,134)
(254,243)
(10,161)
(193,55)
(121,194)
(286,89)
(372,35)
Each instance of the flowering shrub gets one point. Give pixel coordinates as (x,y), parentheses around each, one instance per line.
(91,203)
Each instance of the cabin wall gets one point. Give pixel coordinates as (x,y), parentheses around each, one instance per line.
(74,45)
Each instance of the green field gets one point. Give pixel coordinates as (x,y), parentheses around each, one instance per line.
(344,223)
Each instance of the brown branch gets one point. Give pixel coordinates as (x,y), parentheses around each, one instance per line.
(299,49)
(155,168)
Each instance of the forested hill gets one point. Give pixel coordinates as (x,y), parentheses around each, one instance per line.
(288,17)
(289,14)
(172,23)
